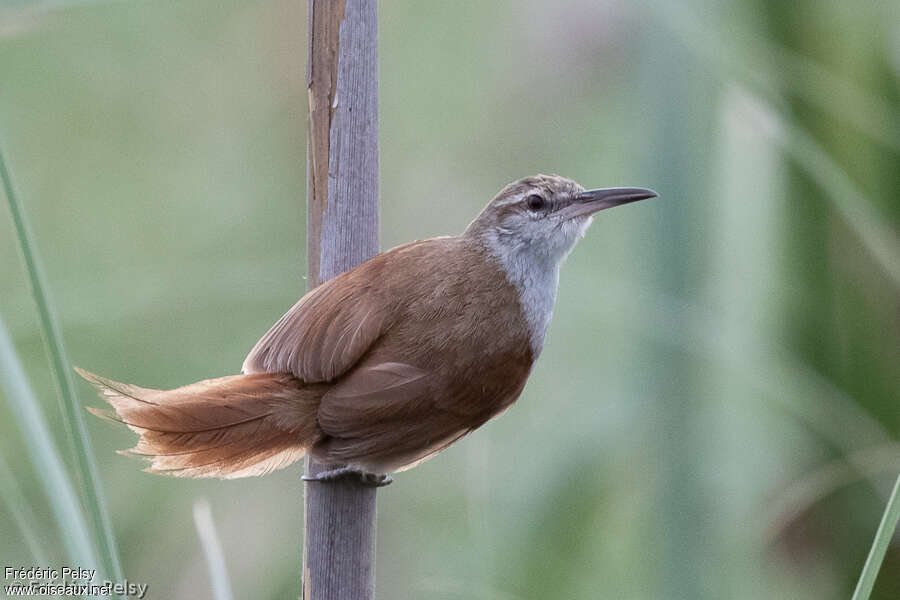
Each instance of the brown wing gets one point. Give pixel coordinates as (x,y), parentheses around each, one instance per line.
(330,328)
(371,396)
(327,330)
(390,416)
(384,416)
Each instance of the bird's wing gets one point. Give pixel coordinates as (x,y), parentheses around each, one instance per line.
(377,395)
(371,395)
(330,328)
(327,330)
(385,415)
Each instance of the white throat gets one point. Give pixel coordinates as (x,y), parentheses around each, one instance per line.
(535,274)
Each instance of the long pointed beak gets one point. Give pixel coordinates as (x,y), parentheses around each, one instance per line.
(590,201)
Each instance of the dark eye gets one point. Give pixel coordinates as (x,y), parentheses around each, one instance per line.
(535,202)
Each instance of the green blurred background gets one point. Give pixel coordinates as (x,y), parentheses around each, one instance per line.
(715,409)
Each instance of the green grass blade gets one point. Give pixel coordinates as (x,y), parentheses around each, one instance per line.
(879,546)
(27,414)
(72,413)
(212,549)
(21,513)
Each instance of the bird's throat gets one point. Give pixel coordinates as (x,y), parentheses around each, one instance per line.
(535,275)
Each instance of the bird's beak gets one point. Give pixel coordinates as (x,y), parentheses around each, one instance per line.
(590,201)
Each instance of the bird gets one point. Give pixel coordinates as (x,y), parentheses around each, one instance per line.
(387,364)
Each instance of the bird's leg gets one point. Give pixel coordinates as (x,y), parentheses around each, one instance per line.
(366,478)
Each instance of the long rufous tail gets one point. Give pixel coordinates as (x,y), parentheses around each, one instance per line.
(229,427)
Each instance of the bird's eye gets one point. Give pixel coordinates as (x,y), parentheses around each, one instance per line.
(535,202)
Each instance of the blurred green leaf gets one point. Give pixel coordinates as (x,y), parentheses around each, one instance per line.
(79,440)
(45,457)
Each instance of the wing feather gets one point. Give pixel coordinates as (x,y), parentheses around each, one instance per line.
(323,335)
(372,395)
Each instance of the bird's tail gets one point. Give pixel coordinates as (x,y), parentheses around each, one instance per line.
(228,427)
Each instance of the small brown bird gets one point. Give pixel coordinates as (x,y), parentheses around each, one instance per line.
(386,364)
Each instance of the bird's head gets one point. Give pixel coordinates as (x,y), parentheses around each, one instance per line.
(540,218)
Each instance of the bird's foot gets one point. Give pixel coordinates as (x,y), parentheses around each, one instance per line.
(366,478)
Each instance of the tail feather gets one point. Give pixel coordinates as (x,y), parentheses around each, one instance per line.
(229,427)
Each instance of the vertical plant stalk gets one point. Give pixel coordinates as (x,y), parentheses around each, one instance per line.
(879,547)
(73,417)
(212,549)
(44,455)
(342,231)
